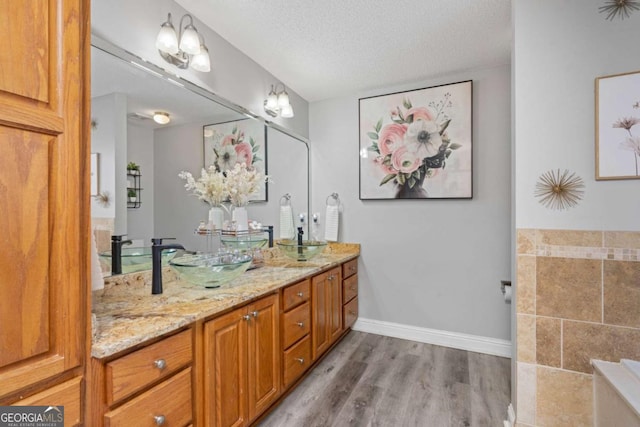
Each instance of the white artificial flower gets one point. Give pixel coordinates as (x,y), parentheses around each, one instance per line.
(423,138)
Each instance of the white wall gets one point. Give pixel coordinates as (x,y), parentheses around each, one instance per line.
(426,263)
(134,25)
(140,150)
(559,50)
(109,139)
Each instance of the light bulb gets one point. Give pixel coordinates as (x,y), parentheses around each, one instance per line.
(167,41)
(190,41)
(287,111)
(161,117)
(201,61)
(283,99)
(272,100)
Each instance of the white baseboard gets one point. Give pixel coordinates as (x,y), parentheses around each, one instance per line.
(478,344)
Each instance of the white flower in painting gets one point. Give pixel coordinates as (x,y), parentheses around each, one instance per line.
(226,157)
(423,138)
(631,144)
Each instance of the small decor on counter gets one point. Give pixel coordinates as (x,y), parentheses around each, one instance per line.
(559,190)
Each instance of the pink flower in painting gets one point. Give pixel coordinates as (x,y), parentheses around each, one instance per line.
(404,160)
(243,153)
(391,138)
(228,140)
(419,113)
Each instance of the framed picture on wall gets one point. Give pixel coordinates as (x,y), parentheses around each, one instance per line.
(417,144)
(618,126)
(238,141)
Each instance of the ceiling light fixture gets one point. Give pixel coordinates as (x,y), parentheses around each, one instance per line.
(161,117)
(183,50)
(277,102)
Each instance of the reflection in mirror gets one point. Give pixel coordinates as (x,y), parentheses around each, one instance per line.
(124,98)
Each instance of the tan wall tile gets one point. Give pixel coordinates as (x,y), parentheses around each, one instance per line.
(582,342)
(526,394)
(526,241)
(569,288)
(526,284)
(526,330)
(548,342)
(563,398)
(622,239)
(622,293)
(569,238)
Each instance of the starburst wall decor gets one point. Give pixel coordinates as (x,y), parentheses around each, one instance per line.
(620,8)
(559,190)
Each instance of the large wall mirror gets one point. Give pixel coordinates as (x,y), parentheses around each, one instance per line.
(126,92)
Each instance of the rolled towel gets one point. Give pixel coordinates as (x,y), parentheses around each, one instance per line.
(331,223)
(286,222)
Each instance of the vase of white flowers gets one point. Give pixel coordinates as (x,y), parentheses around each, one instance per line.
(211,189)
(241,183)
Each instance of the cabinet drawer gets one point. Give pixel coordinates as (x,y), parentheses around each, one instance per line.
(296,361)
(296,294)
(66,394)
(350,313)
(170,399)
(296,324)
(350,268)
(130,373)
(350,288)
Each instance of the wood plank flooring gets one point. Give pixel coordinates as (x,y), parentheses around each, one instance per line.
(371,380)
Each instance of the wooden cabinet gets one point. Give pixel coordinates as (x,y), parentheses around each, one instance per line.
(242,363)
(350,293)
(149,386)
(44,178)
(326,309)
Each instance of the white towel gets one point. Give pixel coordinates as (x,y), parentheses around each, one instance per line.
(331,223)
(286,222)
(97,282)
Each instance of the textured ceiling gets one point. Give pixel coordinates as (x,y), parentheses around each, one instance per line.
(328,48)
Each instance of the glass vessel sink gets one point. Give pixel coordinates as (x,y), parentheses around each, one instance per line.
(304,252)
(137,259)
(209,270)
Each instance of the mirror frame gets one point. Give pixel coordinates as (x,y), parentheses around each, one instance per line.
(153,69)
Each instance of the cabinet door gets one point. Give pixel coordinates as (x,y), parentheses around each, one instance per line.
(335,310)
(44,157)
(225,370)
(263,355)
(320,305)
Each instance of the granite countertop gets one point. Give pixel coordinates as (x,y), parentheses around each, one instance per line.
(125,313)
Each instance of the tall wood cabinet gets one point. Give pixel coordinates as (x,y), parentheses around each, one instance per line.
(242,363)
(44,226)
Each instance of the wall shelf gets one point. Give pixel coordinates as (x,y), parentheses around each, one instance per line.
(133,186)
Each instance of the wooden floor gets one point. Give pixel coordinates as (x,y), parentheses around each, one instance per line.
(371,380)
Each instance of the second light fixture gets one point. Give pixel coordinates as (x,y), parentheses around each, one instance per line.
(277,102)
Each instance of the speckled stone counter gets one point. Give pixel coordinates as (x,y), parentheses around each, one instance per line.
(125,313)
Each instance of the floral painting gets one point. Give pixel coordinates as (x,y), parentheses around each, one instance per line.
(240,141)
(618,126)
(417,144)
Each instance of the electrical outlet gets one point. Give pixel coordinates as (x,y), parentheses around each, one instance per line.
(302,218)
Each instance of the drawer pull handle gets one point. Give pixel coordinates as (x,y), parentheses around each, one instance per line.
(300,360)
(353,288)
(160,364)
(352,268)
(159,419)
(301,324)
(300,294)
(351,312)
(246,317)
(254,313)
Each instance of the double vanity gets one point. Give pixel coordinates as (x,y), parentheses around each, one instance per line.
(216,357)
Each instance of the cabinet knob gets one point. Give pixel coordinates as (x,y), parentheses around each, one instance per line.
(301,324)
(246,317)
(300,294)
(254,313)
(160,364)
(353,288)
(159,419)
(352,268)
(330,277)
(351,312)
(300,360)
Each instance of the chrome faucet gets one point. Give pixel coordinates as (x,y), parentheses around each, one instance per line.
(156,261)
(116,252)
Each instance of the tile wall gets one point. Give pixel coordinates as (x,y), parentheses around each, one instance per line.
(578,298)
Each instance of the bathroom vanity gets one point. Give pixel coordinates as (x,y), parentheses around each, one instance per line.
(216,357)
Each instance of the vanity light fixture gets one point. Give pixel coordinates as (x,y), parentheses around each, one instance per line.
(183,50)
(161,117)
(277,102)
